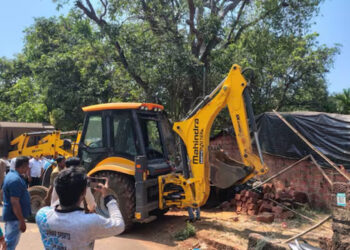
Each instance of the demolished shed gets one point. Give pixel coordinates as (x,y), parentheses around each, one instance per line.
(329,133)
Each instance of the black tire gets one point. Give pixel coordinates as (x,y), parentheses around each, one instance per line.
(46,177)
(37,196)
(122,187)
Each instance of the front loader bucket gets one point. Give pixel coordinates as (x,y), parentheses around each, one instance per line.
(225,171)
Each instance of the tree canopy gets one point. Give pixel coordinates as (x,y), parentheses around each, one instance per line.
(172,52)
(177,50)
(65,65)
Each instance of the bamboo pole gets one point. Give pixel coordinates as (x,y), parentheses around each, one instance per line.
(307,230)
(285,207)
(321,170)
(311,146)
(282,171)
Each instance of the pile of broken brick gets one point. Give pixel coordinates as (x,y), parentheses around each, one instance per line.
(263,204)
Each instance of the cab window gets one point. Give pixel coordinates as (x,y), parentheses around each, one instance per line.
(123,134)
(152,139)
(93,135)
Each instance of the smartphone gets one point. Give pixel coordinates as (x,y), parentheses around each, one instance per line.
(94,181)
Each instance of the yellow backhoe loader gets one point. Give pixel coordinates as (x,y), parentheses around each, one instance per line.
(131,144)
(43,143)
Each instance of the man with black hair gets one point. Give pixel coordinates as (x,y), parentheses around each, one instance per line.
(67,226)
(73,161)
(16,202)
(89,203)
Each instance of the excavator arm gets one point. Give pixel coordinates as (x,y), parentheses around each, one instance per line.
(192,189)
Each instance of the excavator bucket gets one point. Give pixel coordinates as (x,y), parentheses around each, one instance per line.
(225,171)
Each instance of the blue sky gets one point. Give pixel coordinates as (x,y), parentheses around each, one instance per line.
(332,24)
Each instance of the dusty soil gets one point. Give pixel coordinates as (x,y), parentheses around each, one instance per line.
(233,230)
(219,228)
(216,230)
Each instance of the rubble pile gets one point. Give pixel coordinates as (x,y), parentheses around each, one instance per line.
(261,205)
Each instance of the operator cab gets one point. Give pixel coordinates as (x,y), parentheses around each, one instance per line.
(126,130)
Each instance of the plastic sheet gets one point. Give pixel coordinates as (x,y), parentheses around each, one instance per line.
(329,133)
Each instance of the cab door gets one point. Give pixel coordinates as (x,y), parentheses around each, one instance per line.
(93,146)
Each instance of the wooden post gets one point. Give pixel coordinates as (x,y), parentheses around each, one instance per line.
(308,230)
(321,170)
(282,171)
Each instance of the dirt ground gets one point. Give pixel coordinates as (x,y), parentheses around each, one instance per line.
(214,231)
(233,230)
(218,228)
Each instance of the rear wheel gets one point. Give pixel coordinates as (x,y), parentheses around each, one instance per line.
(122,187)
(37,196)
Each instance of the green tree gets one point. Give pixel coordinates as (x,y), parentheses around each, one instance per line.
(20,98)
(289,71)
(165,46)
(73,67)
(65,65)
(343,101)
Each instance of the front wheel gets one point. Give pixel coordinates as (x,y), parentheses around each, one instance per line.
(37,200)
(122,187)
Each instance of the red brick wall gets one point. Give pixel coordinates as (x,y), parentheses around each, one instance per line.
(304,177)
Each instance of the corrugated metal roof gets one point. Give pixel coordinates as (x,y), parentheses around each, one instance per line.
(26,125)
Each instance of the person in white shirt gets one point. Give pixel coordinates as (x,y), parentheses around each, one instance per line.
(13,164)
(35,171)
(67,226)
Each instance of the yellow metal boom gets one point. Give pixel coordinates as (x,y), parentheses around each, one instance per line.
(195,132)
(50,144)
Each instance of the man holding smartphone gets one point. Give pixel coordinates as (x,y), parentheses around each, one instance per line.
(67,226)
(88,203)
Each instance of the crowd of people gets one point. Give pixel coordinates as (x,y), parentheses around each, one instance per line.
(69,221)
(37,167)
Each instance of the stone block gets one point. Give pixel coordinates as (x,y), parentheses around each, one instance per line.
(266,217)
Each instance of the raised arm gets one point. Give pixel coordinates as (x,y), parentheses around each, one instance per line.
(114,225)
(194,131)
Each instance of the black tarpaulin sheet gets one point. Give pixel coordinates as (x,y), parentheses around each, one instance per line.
(329,133)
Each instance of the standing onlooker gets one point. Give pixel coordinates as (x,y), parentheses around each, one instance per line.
(67,226)
(61,164)
(8,164)
(88,203)
(16,202)
(36,170)
(47,162)
(13,164)
(2,176)
(191,214)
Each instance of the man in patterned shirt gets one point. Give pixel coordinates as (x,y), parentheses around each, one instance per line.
(67,226)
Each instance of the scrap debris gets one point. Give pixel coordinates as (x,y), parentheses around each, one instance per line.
(260,205)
